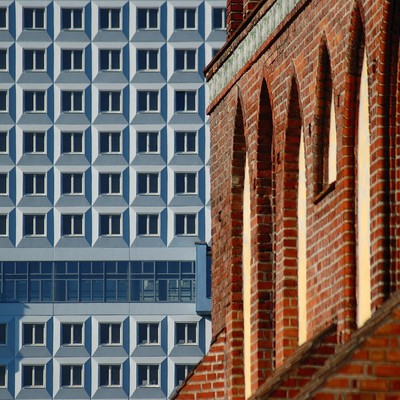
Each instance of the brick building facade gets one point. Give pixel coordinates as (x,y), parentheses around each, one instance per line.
(305,116)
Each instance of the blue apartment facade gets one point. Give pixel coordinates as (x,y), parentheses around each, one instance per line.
(104,166)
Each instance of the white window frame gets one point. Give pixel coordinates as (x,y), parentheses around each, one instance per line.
(5,234)
(33,372)
(109,142)
(34,142)
(109,192)
(148,217)
(5,375)
(109,11)
(109,326)
(186,372)
(34,60)
(185,135)
(148,134)
(185,176)
(185,18)
(148,102)
(72,225)
(35,177)
(184,54)
(72,95)
(148,369)
(221,18)
(186,341)
(34,227)
(147,341)
(34,27)
(73,55)
(71,174)
(5,69)
(147,11)
(73,140)
(109,109)
(109,232)
(186,108)
(109,367)
(71,375)
(146,54)
(7,101)
(34,328)
(3,28)
(7,144)
(5,193)
(72,12)
(34,101)
(71,327)
(109,60)
(148,176)
(185,224)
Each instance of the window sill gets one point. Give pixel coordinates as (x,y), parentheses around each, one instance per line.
(328,189)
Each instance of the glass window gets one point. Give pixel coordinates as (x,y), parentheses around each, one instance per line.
(181,372)
(147,142)
(147,18)
(34,101)
(72,101)
(71,18)
(110,18)
(3,232)
(72,183)
(3,100)
(3,183)
(34,225)
(186,332)
(71,142)
(3,142)
(110,225)
(34,18)
(147,60)
(185,224)
(147,101)
(110,183)
(110,142)
(3,333)
(3,60)
(148,375)
(34,60)
(33,334)
(33,376)
(219,18)
(185,101)
(34,142)
(71,375)
(147,333)
(147,183)
(148,224)
(110,333)
(110,102)
(71,334)
(185,142)
(185,183)
(110,60)
(110,375)
(3,376)
(185,18)
(3,18)
(72,225)
(185,60)
(34,184)
(72,60)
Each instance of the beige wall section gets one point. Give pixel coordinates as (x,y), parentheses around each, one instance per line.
(246,259)
(363,203)
(332,169)
(302,243)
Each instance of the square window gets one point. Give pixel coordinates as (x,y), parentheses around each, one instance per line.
(72,334)
(147,60)
(147,101)
(72,18)
(72,225)
(185,101)
(72,101)
(219,18)
(110,333)
(33,376)
(181,372)
(185,142)
(148,333)
(110,375)
(34,142)
(34,225)
(71,142)
(185,60)
(3,376)
(72,183)
(148,375)
(147,18)
(185,224)
(147,142)
(185,18)
(147,183)
(34,184)
(148,224)
(185,183)
(33,334)
(3,18)
(110,142)
(186,332)
(3,60)
(72,60)
(3,232)
(110,18)
(3,142)
(110,102)
(110,183)
(34,18)
(3,183)
(71,375)
(34,60)
(3,100)
(34,101)
(110,225)
(110,60)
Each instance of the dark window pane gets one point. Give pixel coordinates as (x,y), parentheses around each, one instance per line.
(66,333)
(28,333)
(77,375)
(103,59)
(104,337)
(3,59)
(2,375)
(27,375)
(103,18)
(115,142)
(65,375)
(3,18)
(115,333)
(28,18)
(153,18)
(39,376)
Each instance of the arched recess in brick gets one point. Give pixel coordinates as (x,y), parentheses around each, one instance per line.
(287,333)
(262,262)
(323,118)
